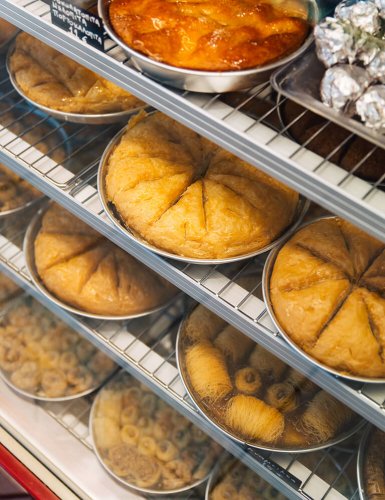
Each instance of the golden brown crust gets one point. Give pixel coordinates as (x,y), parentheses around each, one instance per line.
(327,290)
(87,271)
(53,80)
(217,35)
(185,195)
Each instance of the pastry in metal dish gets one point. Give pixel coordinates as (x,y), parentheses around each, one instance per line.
(215,35)
(183,194)
(327,293)
(51,79)
(14,191)
(85,270)
(7,31)
(374,466)
(8,288)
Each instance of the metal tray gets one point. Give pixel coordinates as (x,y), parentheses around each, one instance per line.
(360,463)
(89,119)
(183,373)
(29,255)
(130,486)
(302,208)
(4,376)
(300,81)
(267,271)
(204,81)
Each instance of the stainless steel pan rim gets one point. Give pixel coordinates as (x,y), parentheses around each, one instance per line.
(360,462)
(267,270)
(302,208)
(205,81)
(128,485)
(179,356)
(85,118)
(29,255)
(20,208)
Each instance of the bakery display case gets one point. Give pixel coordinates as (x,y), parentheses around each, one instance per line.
(257,126)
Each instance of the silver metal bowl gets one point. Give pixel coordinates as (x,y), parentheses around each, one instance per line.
(130,486)
(205,81)
(360,462)
(201,408)
(89,119)
(302,208)
(267,272)
(29,255)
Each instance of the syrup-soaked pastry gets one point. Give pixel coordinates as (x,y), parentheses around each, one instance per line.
(7,31)
(327,291)
(183,194)
(87,271)
(248,380)
(283,396)
(374,466)
(15,192)
(233,344)
(214,36)
(268,365)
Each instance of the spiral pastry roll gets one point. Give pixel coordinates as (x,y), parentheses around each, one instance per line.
(68,361)
(100,364)
(181,436)
(129,415)
(121,457)
(80,378)
(84,350)
(301,383)
(233,344)
(27,377)
(166,451)
(224,491)
(148,404)
(53,383)
(147,471)
(12,357)
(129,434)
(49,360)
(268,365)
(147,446)
(248,380)
(282,396)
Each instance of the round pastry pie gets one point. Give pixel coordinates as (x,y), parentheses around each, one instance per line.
(55,81)
(185,195)
(145,443)
(217,35)
(251,394)
(373,465)
(42,357)
(85,270)
(327,294)
(7,31)
(15,192)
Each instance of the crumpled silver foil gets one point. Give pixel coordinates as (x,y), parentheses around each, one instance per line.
(371,107)
(362,15)
(367,48)
(342,85)
(334,42)
(376,68)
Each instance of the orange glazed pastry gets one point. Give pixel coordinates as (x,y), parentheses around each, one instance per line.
(327,290)
(216,35)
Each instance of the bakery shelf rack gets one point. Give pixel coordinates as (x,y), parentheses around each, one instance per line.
(146,348)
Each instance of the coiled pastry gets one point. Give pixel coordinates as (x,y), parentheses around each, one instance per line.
(268,365)
(247,380)
(233,343)
(185,195)
(282,396)
(54,80)
(87,271)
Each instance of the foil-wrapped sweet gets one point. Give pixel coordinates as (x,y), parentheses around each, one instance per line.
(342,85)
(334,41)
(380,4)
(367,48)
(371,107)
(362,15)
(376,67)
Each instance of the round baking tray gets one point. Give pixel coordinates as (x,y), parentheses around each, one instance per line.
(132,487)
(29,255)
(89,119)
(302,208)
(218,425)
(267,271)
(360,462)
(205,81)
(30,395)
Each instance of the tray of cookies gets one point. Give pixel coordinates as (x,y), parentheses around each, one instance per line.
(253,396)
(63,88)
(370,465)
(324,291)
(42,358)
(145,444)
(179,195)
(85,273)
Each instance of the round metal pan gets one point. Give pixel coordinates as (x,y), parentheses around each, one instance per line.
(267,271)
(360,463)
(29,255)
(204,81)
(218,425)
(4,376)
(89,119)
(302,208)
(129,486)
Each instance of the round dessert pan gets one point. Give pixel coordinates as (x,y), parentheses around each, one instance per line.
(360,462)
(17,210)
(89,119)
(204,81)
(200,407)
(29,255)
(266,276)
(130,486)
(302,208)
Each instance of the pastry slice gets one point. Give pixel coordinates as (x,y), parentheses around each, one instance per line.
(55,248)
(303,313)
(374,278)
(296,268)
(326,241)
(376,312)
(57,219)
(348,343)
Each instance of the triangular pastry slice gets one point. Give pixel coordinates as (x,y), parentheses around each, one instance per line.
(58,219)
(374,278)
(376,310)
(348,343)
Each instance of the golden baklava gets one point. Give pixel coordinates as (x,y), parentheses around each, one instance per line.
(183,194)
(52,79)
(85,270)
